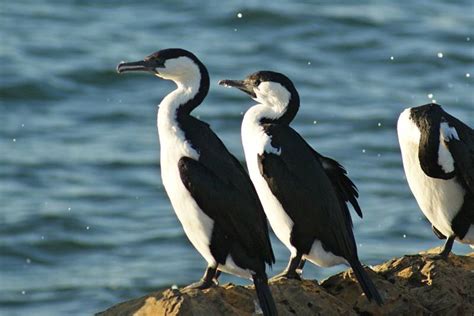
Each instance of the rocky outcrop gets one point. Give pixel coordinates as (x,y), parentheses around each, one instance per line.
(411,285)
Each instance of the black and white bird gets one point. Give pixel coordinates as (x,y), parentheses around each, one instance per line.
(209,189)
(303,193)
(438,158)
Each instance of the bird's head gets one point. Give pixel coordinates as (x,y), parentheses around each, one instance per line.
(271,89)
(176,64)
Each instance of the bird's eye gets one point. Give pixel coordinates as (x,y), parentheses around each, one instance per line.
(257,82)
(158,62)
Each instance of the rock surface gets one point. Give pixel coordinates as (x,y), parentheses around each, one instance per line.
(411,285)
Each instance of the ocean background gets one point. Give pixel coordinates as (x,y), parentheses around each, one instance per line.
(84,219)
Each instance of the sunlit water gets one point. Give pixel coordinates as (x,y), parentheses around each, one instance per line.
(85,222)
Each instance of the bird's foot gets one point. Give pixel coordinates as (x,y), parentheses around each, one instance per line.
(439,256)
(444,254)
(202,284)
(291,275)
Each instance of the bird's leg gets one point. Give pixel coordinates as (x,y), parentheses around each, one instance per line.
(216,277)
(446,249)
(209,279)
(299,270)
(290,271)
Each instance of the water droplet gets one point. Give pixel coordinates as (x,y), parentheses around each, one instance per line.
(14,140)
(87,227)
(430,95)
(440,55)
(315,122)
(392,58)
(468,75)
(434,101)
(235,30)
(239,15)
(69,209)
(379,124)
(23,292)
(22,125)
(379,155)
(309,63)
(468,39)
(404,236)
(363,150)
(28,260)
(42,237)
(174,287)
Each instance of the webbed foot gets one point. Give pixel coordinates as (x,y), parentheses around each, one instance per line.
(444,254)
(288,274)
(208,280)
(294,269)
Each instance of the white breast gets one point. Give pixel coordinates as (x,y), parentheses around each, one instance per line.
(255,142)
(439,199)
(196,224)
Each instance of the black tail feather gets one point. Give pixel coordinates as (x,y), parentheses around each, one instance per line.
(366,283)
(265,298)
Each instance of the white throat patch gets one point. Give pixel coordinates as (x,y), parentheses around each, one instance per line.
(274,95)
(181,70)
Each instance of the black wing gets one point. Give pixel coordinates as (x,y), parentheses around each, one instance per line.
(224,191)
(429,118)
(462,150)
(344,186)
(297,178)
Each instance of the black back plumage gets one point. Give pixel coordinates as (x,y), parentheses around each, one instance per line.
(298,179)
(223,190)
(314,190)
(345,188)
(428,118)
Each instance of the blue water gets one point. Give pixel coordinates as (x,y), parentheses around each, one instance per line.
(84,220)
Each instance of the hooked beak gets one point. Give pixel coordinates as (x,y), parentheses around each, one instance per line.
(142,65)
(242,85)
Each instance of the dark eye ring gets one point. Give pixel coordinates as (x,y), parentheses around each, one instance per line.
(257,82)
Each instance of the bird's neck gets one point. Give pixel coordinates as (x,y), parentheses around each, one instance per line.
(277,113)
(179,103)
(260,113)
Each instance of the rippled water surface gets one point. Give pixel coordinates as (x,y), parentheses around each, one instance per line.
(85,222)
